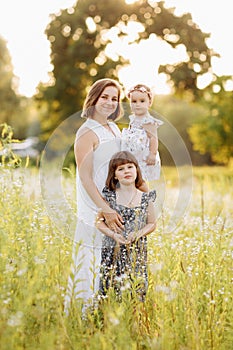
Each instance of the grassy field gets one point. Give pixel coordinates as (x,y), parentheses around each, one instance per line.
(189,303)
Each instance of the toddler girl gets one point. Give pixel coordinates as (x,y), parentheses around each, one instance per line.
(141,137)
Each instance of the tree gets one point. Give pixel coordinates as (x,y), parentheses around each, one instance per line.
(181,115)
(8,99)
(213,132)
(79,37)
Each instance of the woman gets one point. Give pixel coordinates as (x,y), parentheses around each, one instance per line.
(96,141)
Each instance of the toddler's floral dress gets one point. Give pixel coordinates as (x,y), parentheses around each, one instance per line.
(135,140)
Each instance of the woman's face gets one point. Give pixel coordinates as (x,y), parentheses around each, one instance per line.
(107,102)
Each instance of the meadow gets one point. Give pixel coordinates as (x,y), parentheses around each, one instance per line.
(189,302)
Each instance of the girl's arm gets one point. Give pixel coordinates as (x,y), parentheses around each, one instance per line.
(84,146)
(148,228)
(100,224)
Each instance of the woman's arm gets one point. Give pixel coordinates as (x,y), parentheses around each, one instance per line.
(84,146)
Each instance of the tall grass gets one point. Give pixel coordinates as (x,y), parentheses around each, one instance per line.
(189,302)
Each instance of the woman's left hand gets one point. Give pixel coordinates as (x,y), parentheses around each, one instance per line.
(113,220)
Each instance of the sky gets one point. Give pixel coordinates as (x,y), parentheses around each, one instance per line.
(22,25)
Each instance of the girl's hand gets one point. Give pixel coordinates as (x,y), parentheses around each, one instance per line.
(132,238)
(113,220)
(119,238)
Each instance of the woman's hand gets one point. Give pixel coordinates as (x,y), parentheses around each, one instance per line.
(113,220)
(112,233)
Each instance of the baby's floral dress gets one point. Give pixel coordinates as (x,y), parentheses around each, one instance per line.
(135,140)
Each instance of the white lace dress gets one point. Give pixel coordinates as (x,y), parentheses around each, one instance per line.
(135,140)
(83,282)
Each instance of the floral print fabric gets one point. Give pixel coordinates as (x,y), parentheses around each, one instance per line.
(123,266)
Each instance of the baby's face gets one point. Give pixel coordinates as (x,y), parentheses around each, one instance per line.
(140,103)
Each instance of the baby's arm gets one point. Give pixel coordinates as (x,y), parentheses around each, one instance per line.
(150,225)
(152,134)
(101,225)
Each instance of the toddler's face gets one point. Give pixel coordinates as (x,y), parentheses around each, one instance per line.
(140,103)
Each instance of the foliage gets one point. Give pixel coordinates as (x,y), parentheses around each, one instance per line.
(79,37)
(15,110)
(181,115)
(7,156)
(189,303)
(8,98)
(213,131)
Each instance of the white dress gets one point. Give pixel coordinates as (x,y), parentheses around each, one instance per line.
(83,281)
(136,141)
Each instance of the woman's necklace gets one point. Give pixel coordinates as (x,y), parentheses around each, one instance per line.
(124,200)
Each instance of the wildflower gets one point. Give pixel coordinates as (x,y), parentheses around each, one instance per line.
(16,319)
(21,272)
(114,320)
